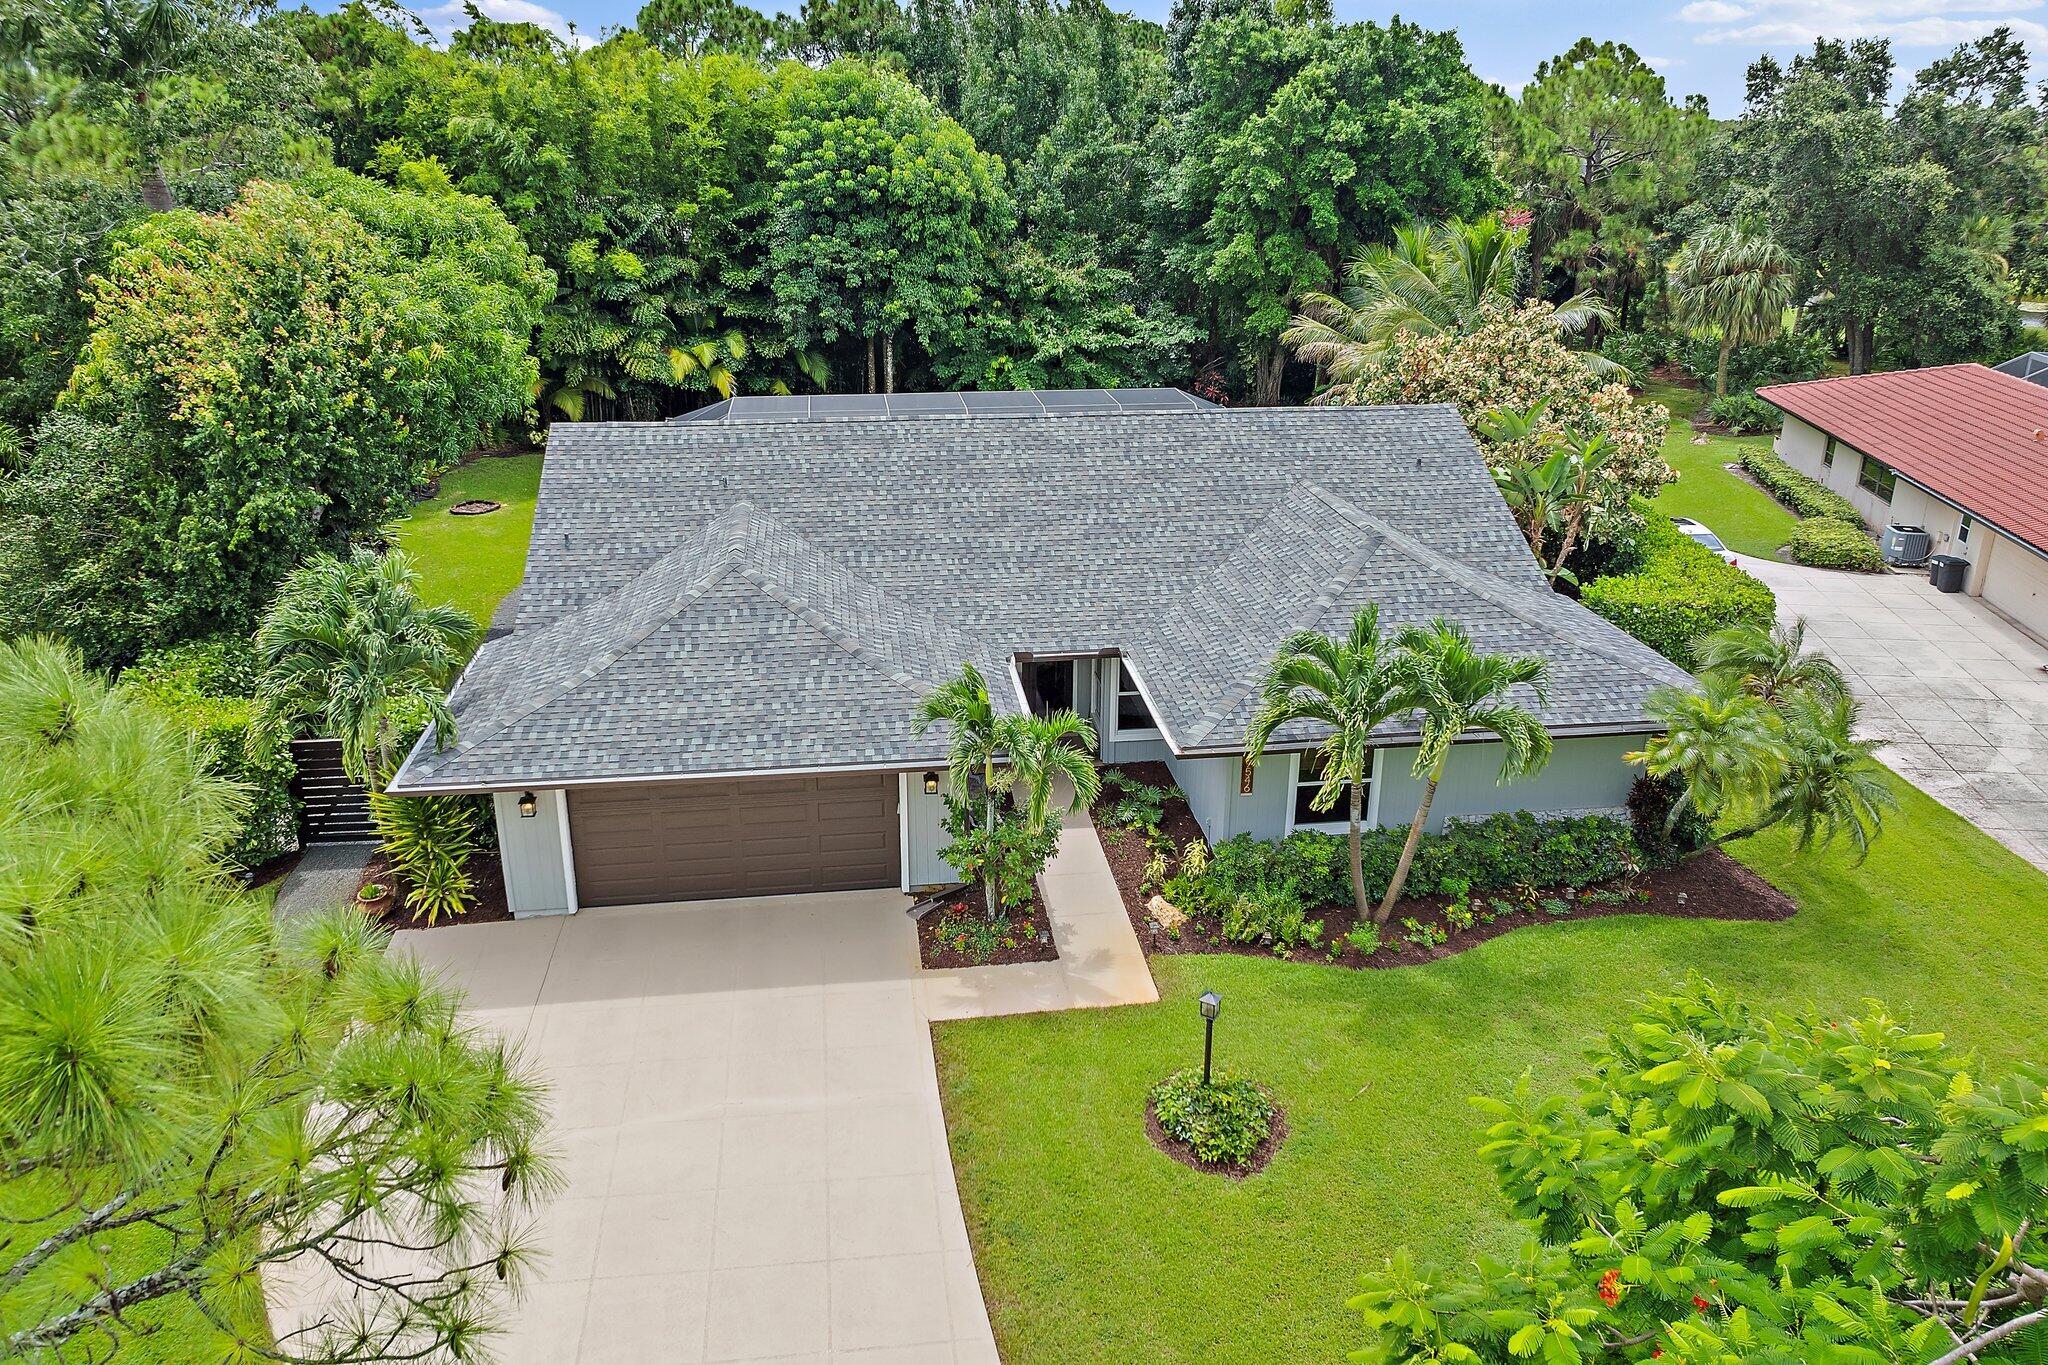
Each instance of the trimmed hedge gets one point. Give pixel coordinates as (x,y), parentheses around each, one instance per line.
(1499,852)
(1679,591)
(1808,497)
(203,686)
(1832,543)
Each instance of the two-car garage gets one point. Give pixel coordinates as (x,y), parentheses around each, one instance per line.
(766,836)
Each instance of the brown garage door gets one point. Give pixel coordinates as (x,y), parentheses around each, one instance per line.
(765,836)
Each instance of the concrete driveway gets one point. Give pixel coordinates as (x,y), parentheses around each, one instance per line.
(1954,688)
(757,1163)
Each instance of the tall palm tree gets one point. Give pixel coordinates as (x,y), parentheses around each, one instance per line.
(1444,279)
(1734,283)
(1038,750)
(1350,688)
(1457,688)
(1771,663)
(348,644)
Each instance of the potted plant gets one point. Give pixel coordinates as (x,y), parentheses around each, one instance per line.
(373,898)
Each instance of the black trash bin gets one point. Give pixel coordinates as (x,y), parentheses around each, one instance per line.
(1947,572)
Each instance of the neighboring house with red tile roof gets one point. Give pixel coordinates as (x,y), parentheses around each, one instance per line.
(1961,450)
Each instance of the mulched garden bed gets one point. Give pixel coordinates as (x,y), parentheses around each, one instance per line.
(1262,1155)
(1024,935)
(474,507)
(486,875)
(1709,886)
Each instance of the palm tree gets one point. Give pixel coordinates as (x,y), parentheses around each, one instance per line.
(1719,741)
(962,702)
(1797,764)
(1444,279)
(1350,688)
(1040,749)
(1456,688)
(1771,663)
(348,643)
(1734,283)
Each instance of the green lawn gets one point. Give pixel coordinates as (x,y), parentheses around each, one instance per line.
(472,562)
(1746,518)
(1093,1246)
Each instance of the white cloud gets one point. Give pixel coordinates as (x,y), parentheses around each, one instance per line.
(1713,12)
(1909,23)
(1663,63)
(445,19)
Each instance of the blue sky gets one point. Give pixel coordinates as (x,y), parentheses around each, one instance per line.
(1701,46)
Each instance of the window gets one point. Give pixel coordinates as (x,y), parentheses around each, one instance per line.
(1963,531)
(1876,478)
(1827,454)
(1131,711)
(1310,782)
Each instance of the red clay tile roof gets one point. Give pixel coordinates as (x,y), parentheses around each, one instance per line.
(1968,433)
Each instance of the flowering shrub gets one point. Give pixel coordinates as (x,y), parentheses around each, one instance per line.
(1223,1123)
(1512,362)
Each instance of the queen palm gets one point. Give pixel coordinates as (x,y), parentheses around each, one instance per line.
(1455,688)
(1770,662)
(347,644)
(1720,742)
(1443,279)
(1349,688)
(1733,283)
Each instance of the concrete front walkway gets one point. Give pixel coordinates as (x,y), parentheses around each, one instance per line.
(1100,962)
(1954,689)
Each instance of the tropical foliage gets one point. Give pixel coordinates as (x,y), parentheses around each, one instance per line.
(1727,1185)
(1348,688)
(349,649)
(1768,739)
(196,1095)
(1734,284)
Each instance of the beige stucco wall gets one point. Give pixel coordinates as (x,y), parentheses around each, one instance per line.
(1804,447)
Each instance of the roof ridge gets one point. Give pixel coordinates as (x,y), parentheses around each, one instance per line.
(1307,611)
(1495,590)
(604,660)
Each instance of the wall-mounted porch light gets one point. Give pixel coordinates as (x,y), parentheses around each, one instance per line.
(931,784)
(529,805)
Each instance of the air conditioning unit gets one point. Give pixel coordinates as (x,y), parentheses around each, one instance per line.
(1904,545)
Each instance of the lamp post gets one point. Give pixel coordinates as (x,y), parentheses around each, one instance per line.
(1212,1005)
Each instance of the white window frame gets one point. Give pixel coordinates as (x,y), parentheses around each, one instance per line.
(1117,691)
(1963,529)
(1342,823)
(1865,480)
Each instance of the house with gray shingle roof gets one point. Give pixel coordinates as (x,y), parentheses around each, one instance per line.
(727,621)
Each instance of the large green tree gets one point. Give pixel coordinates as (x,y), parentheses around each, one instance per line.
(884,221)
(1876,225)
(1734,284)
(259,383)
(194,1096)
(1601,155)
(1297,143)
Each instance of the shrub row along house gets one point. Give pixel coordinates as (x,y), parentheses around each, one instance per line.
(727,620)
(1958,450)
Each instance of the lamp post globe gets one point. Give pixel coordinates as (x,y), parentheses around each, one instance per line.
(1212,1005)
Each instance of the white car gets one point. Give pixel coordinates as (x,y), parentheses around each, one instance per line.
(1699,532)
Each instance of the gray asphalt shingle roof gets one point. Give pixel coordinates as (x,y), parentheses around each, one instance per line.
(732,596)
